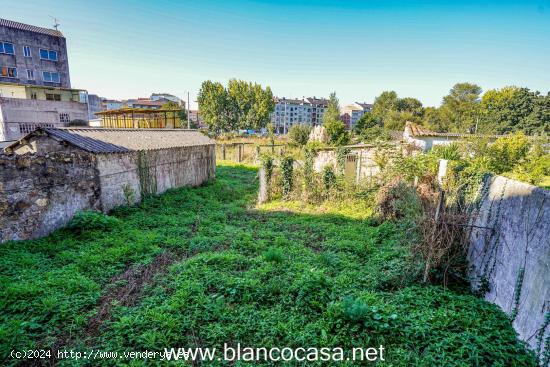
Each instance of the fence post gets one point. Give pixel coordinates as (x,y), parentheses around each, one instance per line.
(223,152)
(262,191)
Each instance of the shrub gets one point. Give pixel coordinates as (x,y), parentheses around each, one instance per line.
(287,164)
(88,219)
(274,254)
(329,178)
(398,200)
(299,135)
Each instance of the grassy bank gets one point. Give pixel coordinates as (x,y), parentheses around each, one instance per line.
(203,267)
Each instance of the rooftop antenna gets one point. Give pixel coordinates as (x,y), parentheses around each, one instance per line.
(55,22)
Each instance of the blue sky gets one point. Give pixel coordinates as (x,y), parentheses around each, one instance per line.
(123,49)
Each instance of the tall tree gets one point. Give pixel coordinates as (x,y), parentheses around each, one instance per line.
(512,109)
(383,104)
(242,105)
(334,126)
(394,112)
(461,108)
(215,107)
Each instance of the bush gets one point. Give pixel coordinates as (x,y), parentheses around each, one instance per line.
(398,200)
(287,165)
(299,135)
(88,219)
(274,254)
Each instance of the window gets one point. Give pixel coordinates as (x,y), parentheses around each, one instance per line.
(33,95)
(30,74)
(64,118)
(28,128)
(27,51)
(53,97)
(8,72)
(6,48)
(48,55)
(50,76)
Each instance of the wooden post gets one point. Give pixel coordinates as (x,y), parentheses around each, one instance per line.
(223,152)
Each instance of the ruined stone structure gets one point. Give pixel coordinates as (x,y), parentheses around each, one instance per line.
(52,173)
(509,254)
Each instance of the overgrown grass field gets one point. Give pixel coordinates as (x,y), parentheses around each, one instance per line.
(200,267)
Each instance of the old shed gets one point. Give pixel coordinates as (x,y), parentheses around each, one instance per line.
(50,174)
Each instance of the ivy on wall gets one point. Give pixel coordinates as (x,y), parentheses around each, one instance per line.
(147,176)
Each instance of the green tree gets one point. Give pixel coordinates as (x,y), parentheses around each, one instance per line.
(334,126)
(252,104)
(512,109)
(366,121)
(432,119)
(461,108)
(242,105)
(216,108)
(393,112)
(383,104)
(299,135)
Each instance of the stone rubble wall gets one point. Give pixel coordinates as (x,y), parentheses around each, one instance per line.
(39,193)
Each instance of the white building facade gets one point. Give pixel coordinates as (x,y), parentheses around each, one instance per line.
(289,112)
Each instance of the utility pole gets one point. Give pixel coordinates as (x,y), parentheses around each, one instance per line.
(188,112)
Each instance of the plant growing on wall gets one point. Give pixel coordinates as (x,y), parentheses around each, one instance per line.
(287,164)
(147,179)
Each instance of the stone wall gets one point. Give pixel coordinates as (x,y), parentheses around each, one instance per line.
(360,163)
(509,255)
(40,193)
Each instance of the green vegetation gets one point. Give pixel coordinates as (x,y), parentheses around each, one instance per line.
(242,105)
(298,135)
(334,126)
(202,267)
(465,109)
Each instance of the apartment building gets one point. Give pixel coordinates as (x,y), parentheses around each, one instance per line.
(353,112)
(33,55)
(289,112)
(35,85)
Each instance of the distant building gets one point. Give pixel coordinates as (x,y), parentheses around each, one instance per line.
(167,97)
(194,116)
(345,117)
(355,111)
(33,55)
(94,105)
(35,85)
(111,104)
(289,112)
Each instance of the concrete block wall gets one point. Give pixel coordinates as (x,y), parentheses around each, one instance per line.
(152,172)
(510,255)
(118,176)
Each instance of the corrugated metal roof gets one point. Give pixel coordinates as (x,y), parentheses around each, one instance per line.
(31,28)
(102,140)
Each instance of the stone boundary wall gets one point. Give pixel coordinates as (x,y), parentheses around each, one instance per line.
(39,193)
(509,254)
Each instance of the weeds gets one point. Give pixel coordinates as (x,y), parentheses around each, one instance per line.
(284,274)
